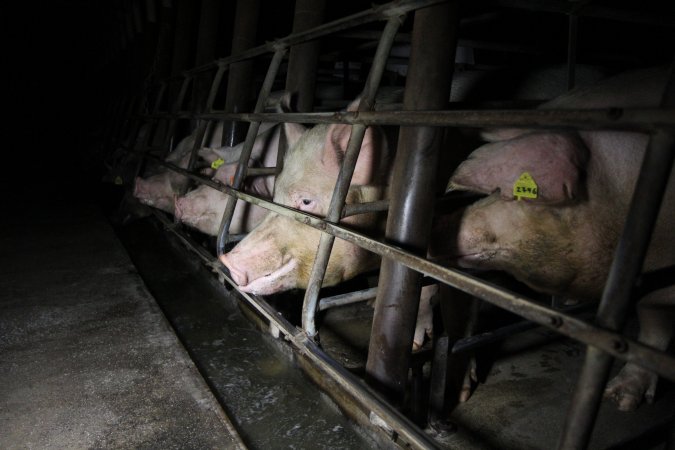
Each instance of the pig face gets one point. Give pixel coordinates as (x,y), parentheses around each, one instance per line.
(278,255)
(155,191)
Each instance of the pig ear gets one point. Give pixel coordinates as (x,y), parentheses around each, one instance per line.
(373,150)
(293,131)
(551,163)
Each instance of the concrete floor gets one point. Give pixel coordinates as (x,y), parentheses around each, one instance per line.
(87,359)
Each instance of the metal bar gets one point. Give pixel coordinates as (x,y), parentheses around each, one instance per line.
(434,39)
(304,58)
(347,299)
(611,342)
(635,119)
(626,267)
(171,130)
(240,76)
(242,167)
(363,208)
(311,299)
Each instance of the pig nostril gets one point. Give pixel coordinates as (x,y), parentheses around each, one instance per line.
(237,275)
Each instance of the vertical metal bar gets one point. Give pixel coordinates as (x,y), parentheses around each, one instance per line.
(206,51)
(240,174)
(434,40)
(311,299)
(215,85)
(626,266)
(239,79)
(304,58)
(572,49)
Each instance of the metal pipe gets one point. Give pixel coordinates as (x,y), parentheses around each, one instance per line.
(240,77)
(434,39)
(611,342)
(242,167)
(347,299)
(337,202)
(207,38)
(303,58)
(633,119)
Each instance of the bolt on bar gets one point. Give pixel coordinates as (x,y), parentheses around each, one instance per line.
(626,267)
(242,167)
(337,203)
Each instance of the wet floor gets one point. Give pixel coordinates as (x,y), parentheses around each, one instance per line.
(270,401)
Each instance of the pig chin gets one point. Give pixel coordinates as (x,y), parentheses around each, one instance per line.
(281,279)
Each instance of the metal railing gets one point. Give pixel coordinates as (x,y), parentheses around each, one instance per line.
(603,340)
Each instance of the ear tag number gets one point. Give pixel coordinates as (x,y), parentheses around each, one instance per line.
(217,163)
(525,187)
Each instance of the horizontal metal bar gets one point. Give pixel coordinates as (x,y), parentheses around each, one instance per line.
(353,209)
(645,119)
(260,171)
(347,299)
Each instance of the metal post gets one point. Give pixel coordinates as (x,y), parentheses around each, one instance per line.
(434,40)
(627,264)
(311,299)
(206,51)
(238,97)
(303,58)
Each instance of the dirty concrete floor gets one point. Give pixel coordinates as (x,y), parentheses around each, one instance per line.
(87,359)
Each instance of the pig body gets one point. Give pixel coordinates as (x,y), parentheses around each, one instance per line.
(203,207)
(562,242)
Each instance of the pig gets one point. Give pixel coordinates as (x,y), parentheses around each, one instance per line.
(203,207)
(279,253)
(159,190)
(561,241)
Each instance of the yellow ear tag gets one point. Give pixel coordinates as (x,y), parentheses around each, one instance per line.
(217,163)
(118,180)
(525,187)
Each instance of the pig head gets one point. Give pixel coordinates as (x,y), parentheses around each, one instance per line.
(278,254)
(561,239)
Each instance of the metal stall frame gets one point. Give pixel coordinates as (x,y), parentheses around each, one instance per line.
(603,341)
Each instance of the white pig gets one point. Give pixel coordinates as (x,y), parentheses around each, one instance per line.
(562,241)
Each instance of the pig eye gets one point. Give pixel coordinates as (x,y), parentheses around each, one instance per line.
(306,204)
(306,201)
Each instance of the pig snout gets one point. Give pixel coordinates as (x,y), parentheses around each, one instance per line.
(237,274)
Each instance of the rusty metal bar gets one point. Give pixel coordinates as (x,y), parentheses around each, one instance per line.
(626,267)
(434,39)
(337,203)
(611,342)
(634,119)
(242,167)
(240,76)
(347,299)
(303,58)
